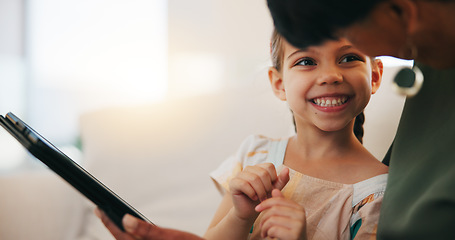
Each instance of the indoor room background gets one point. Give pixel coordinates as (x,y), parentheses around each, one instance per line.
(61,60)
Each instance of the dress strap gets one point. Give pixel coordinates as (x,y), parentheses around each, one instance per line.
(374,185)
(277,151)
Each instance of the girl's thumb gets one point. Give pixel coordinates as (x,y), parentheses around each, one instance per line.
(277,193)
(283,179)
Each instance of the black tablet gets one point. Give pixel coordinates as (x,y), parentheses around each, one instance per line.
(70,171)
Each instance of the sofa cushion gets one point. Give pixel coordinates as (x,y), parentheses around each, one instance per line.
(38,204)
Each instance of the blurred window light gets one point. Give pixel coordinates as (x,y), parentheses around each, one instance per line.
(89,54)
(78,56)
(395,62)
(110,50)
(197,73)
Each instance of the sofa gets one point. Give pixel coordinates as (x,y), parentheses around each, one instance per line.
(158,156)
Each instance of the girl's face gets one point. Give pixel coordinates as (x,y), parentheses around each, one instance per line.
(326,86)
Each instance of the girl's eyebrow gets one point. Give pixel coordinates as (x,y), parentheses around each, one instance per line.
(345,47)
(304,50)
(307,50)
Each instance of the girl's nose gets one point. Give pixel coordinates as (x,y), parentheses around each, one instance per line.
(330,77)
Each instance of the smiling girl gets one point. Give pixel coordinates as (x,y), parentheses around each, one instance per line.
(320,183)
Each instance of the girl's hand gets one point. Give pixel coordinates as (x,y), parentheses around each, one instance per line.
(282,218)
(254,185)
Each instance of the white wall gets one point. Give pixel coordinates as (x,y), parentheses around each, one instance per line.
(216,43)
(11,27)
(12,77)
(382,115)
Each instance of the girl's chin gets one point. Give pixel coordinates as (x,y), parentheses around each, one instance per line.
(333,127)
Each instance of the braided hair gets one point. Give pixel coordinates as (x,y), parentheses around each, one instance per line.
(358,126)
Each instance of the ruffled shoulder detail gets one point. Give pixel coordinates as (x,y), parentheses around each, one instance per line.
(253,150)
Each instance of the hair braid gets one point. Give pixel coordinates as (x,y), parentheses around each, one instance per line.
(358,126)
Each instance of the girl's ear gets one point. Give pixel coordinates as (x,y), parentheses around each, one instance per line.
(276,81)
(376,75)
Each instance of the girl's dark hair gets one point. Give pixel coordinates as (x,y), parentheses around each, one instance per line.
(310,22)
(276,52)
(358,126)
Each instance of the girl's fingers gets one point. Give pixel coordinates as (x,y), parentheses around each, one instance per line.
(282,179)
(277,200)
(240,186)
(293,212)
(271,180)
(277,193)
(285,220)
(270,168)
(261,178)
(282,228)
(272,227)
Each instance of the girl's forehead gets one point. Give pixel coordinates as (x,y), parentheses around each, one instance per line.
(327,47)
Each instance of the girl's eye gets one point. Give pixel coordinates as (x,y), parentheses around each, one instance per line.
(350,58)
(306,62)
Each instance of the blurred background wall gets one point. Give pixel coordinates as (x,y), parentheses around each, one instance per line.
(61,58)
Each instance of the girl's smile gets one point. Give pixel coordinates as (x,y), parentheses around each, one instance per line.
(330,103)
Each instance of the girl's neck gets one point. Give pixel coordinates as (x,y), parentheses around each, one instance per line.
(317,145)
(335,156)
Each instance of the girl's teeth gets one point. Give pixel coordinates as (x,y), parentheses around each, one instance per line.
(330,102)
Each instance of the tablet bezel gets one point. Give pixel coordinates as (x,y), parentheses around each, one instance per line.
(108,201)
